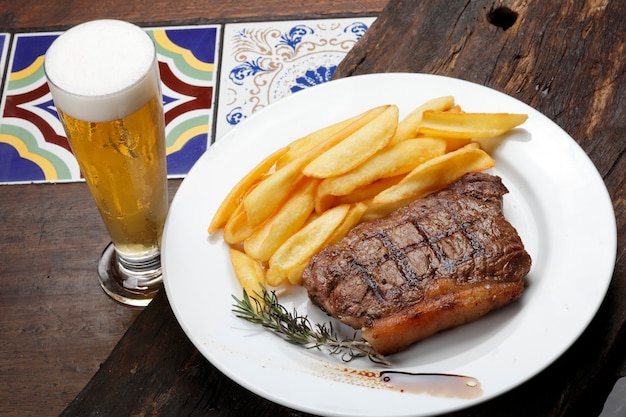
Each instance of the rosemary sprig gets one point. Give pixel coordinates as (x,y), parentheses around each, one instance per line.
(297,329)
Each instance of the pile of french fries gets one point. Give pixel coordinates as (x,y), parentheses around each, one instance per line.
(310,193)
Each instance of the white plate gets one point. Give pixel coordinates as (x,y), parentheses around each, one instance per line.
(557,201)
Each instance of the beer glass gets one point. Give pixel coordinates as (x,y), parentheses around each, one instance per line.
(104,80)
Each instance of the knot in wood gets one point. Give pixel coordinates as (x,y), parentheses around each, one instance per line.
(502,17)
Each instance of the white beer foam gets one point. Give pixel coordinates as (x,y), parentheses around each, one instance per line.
(101,70)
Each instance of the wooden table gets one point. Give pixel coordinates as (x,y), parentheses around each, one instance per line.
(57,328)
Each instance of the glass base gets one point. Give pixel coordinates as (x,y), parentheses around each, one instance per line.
(134,287)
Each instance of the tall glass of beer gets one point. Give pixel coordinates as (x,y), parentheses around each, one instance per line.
(104,80)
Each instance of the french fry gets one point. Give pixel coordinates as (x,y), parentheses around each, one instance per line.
(468,125)
(233,198)
(353,217)
(433,175)
(356,211)
(270,193)
(452,144)
(301,146)
(294,275)
(455,109)
(288,220)
(407,128)
(396,159)
(377,211)
(324,202)
(302,245)
(237,228)
(369,191)
(249,273)
(356,148)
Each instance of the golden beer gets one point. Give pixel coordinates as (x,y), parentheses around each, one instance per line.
(123,162)
(104,80)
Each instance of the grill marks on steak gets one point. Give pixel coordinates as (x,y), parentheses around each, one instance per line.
(441,261)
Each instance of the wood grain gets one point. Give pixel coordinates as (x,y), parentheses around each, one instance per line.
(56,324)
(29,15)
(575,81)
(167,377)
(57,327)
(564,60)
(422,38)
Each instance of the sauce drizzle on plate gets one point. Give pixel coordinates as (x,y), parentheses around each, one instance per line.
(439,385)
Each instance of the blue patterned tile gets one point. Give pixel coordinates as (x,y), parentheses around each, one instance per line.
(5,40)
(33,146)
(263,62)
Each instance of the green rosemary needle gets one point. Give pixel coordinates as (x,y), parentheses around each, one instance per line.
(297,329)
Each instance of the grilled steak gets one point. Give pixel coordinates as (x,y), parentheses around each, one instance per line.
(441,261)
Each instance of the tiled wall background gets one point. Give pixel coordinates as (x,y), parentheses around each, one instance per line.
(213,78)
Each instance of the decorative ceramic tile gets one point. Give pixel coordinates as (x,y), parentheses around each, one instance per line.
(33,146)
(188,61)
(32,142)
(263,62)
(5,39)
